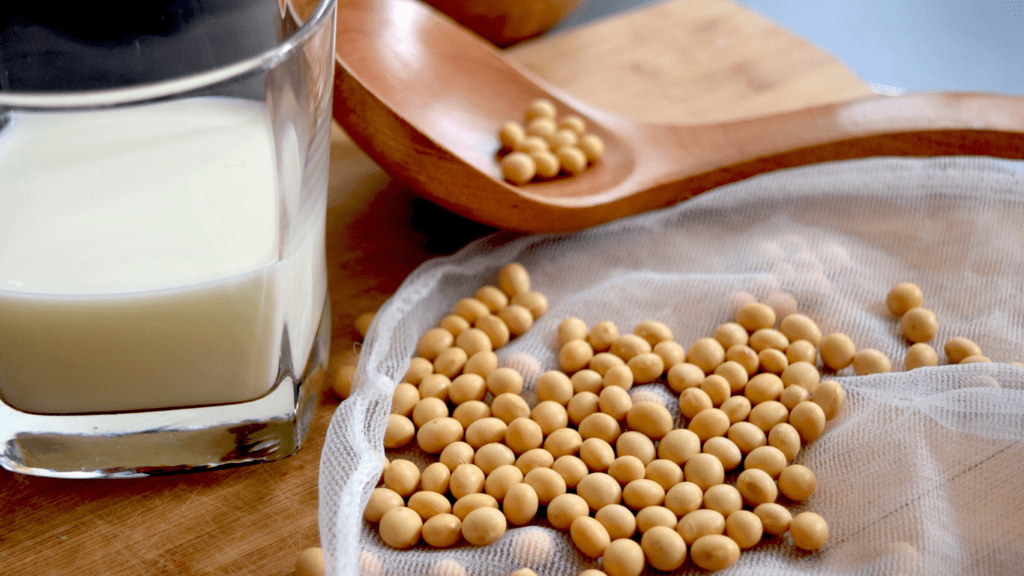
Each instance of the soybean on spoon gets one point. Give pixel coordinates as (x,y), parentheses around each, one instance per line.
(424,98)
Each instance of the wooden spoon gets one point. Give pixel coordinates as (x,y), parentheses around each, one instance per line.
(425,98)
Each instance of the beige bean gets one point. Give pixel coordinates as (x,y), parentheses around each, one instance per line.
(481,363)
(800,327)
(830,396)
(501,480)
(618,520)
(768,338)
(683,376)
(956,349)
(767,458)
(651,419)
(418,368)
(670,352)
(709,423)
(513,279)
(725,450)
(599,490)
(433,342)
(401,528)
(802,351)
(550,415)
(797,482)
(623,557)
(704,470)
(641,493)
(399,432)
(693,401)
(775,518)
(546,482)
(381,500)
(652,516)
(636,443)
(572,469)
(679,446)
(597,454)
(665,472)
(483,526)
(565,508)
(463,506)
(563,442)
(794,395)
(508,407)
(311,562)
(747,436)
(745,528)
(919,324)
(518,319)
(772,360)
(429,504)
(536,458)
(715,551)
(786,438)
(589,536)
(706,354)
(456,454)
(571,329)
(700,523)
(763,387)
(574,355)
(768,414)
(809,420)
(684,498)
(744,356)
(808,531)
(920,355)
(731,334)
(520,504)
(755,316)
(466,479)
(902,297)
(442,530)
(435,477)
(837,351)
(471,411)
(602,335)
(737,408)
(756,486)
(664,548)
(438,433)
(724,499)
(492,456)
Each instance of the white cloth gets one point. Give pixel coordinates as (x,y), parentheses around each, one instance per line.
(920,474)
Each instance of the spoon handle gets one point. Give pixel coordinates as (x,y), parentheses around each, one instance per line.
(684,160)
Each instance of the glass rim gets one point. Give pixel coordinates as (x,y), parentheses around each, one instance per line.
(164,89)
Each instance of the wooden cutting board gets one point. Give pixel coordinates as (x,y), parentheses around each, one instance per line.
(679,61)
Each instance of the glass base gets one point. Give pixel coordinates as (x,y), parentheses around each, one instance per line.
(147,443)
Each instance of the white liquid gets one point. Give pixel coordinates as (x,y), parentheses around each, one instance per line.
(139,259)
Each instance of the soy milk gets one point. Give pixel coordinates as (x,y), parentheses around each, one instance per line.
(141,263)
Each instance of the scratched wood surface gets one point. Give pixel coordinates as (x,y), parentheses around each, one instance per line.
(683,60)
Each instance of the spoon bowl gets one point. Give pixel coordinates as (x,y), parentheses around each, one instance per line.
(425,98)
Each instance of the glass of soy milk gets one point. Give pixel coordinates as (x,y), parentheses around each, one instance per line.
(163,191)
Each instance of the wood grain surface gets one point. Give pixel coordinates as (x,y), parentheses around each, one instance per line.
(664,63)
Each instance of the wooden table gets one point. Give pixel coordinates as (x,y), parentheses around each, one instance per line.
(683,60)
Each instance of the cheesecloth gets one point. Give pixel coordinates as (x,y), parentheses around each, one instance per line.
(919,474)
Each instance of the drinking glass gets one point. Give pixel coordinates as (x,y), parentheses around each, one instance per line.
(163,191)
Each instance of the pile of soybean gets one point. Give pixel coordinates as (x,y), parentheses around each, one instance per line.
(548,145)
(629,486)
